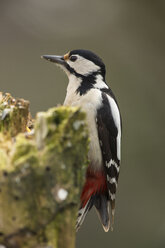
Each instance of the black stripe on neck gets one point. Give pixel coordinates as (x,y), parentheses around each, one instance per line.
(87,84)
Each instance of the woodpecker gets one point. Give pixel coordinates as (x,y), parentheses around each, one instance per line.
(88,89)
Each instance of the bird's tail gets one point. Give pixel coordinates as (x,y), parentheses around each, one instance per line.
(95,193)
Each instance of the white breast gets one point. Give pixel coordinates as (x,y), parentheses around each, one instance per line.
(89,103)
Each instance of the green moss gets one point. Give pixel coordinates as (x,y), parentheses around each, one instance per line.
(3,160)
(25,151)
(14,114)
(38,168)
(64,143)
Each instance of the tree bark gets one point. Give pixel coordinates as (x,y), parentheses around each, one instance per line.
(41,174)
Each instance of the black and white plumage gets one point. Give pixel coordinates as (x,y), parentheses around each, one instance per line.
(87,88)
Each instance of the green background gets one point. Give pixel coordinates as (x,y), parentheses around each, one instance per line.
(129,35)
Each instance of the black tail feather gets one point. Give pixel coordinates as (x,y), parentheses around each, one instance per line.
(101,204)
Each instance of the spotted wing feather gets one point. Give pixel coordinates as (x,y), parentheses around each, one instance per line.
(109,132)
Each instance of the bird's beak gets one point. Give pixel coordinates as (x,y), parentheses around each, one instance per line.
(54,58)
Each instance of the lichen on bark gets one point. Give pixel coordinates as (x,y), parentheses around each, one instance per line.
(41,175)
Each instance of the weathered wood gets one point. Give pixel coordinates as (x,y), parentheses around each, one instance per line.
(41,174)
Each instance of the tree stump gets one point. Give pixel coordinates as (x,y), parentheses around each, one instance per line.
(41,174)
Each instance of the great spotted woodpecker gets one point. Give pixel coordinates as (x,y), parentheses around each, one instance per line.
(87,88)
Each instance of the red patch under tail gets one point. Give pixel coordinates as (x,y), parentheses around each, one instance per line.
(95,183)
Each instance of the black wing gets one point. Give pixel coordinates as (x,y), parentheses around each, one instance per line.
(109,132)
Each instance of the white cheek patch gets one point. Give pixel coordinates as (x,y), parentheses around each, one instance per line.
(83,66)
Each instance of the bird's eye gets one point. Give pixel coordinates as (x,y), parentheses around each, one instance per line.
(73,58)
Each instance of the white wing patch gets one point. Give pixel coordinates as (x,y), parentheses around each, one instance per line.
(112,162)
(112,196)
(112,180)
(116,118)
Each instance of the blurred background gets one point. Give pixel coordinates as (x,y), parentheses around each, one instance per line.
(129,35)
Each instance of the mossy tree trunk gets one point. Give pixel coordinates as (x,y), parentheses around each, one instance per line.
(41,174)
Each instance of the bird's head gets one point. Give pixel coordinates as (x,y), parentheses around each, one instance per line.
(80,63)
